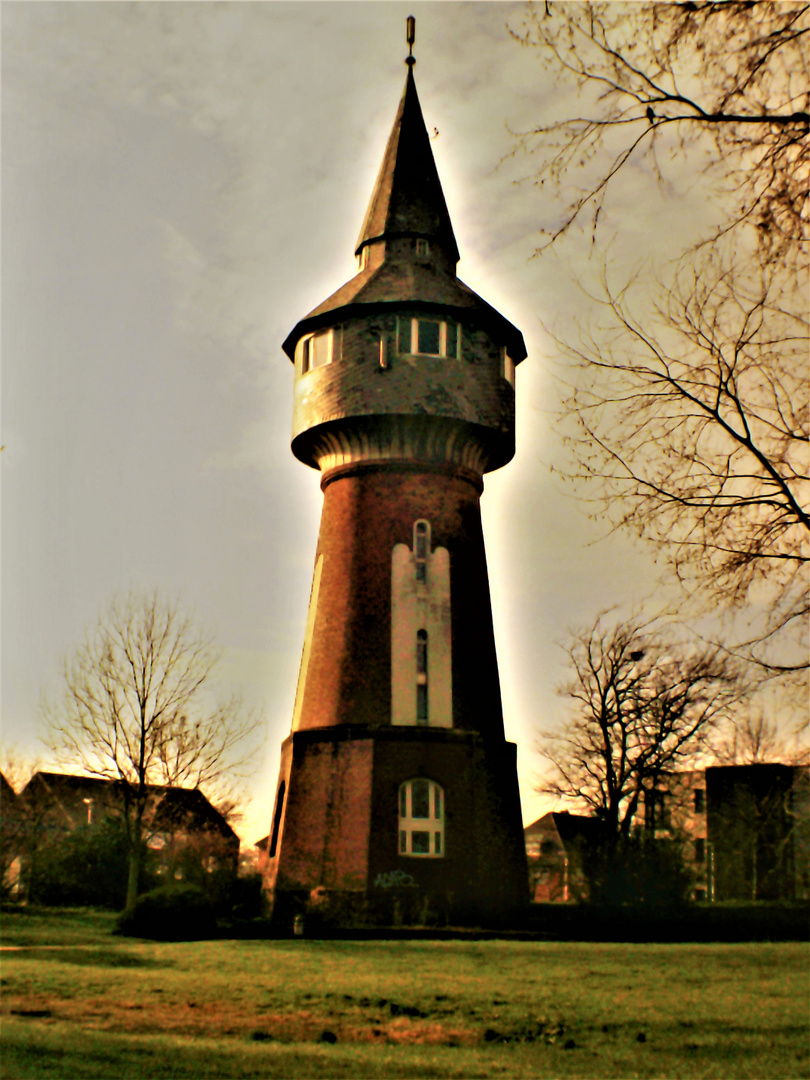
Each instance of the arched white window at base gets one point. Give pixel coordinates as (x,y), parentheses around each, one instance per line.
(421,819)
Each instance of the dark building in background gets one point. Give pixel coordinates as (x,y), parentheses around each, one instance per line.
(556,845)
(757,826)
(743,833)
(397,794)
(11,827)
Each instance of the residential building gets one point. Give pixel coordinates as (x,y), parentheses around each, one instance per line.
(555,845)
(744,832)
(758,818)
(186,837)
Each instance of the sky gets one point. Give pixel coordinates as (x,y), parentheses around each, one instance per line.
(181,184)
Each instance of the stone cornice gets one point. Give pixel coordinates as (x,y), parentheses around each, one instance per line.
(419,443)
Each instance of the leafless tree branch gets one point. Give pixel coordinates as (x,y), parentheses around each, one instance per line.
(136,709)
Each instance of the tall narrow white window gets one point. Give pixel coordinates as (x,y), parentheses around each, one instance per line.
(421,646)
(421,819)
(421,548)
(428,335)
(422,677)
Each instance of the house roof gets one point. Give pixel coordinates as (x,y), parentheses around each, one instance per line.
(570,828)
(9,802)
(176,804)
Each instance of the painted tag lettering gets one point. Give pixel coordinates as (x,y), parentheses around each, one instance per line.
(395,879)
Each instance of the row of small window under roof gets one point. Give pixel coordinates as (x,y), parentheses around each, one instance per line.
(435,338)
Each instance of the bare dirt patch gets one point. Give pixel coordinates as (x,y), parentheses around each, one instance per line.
(349,1022)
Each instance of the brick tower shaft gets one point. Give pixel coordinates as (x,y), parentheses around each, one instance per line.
(357,625)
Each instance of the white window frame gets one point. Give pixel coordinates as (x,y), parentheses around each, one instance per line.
(421,548)
(432,826)
(422,247)
(449,337)
(332,340)
(508,367)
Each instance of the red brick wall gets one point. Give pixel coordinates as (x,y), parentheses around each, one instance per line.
(341,828)
(325,836)
(364,515)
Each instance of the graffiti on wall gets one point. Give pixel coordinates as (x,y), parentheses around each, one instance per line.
(395,879)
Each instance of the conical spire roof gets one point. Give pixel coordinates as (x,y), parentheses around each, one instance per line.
(408,198)
(408,202)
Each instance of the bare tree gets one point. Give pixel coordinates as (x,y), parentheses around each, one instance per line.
(754,738)
(727,82)
(693,423)
(136,709)
(643,707)
(691,414)
(17,767)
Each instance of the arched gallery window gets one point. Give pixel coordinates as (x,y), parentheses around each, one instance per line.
(320,349)
(277,820)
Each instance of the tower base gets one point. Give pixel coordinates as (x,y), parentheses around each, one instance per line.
(337,857)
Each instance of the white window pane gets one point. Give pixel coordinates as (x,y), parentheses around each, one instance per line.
(421,712)
(428,338)
(420,843)
(320,349)
(420,795)
(421,652)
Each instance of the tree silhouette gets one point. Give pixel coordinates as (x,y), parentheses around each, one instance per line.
(136,709)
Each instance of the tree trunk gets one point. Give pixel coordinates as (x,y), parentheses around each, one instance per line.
(134,875)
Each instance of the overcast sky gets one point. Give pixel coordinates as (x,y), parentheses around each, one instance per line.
(181,184)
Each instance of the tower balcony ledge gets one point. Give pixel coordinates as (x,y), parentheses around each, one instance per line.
(389,733)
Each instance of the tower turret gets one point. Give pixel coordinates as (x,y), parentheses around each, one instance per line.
(396,781)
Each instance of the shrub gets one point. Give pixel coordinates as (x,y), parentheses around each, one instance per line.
(637,870)
(83,868)
(171,913)
(246,897)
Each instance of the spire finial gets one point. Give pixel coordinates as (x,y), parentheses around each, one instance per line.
(410,37)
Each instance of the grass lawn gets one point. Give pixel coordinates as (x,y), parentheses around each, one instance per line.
(80,1003)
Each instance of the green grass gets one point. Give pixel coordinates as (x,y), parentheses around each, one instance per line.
(80,1003)
(55,926)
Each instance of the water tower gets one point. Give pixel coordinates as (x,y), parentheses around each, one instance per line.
(397,795)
